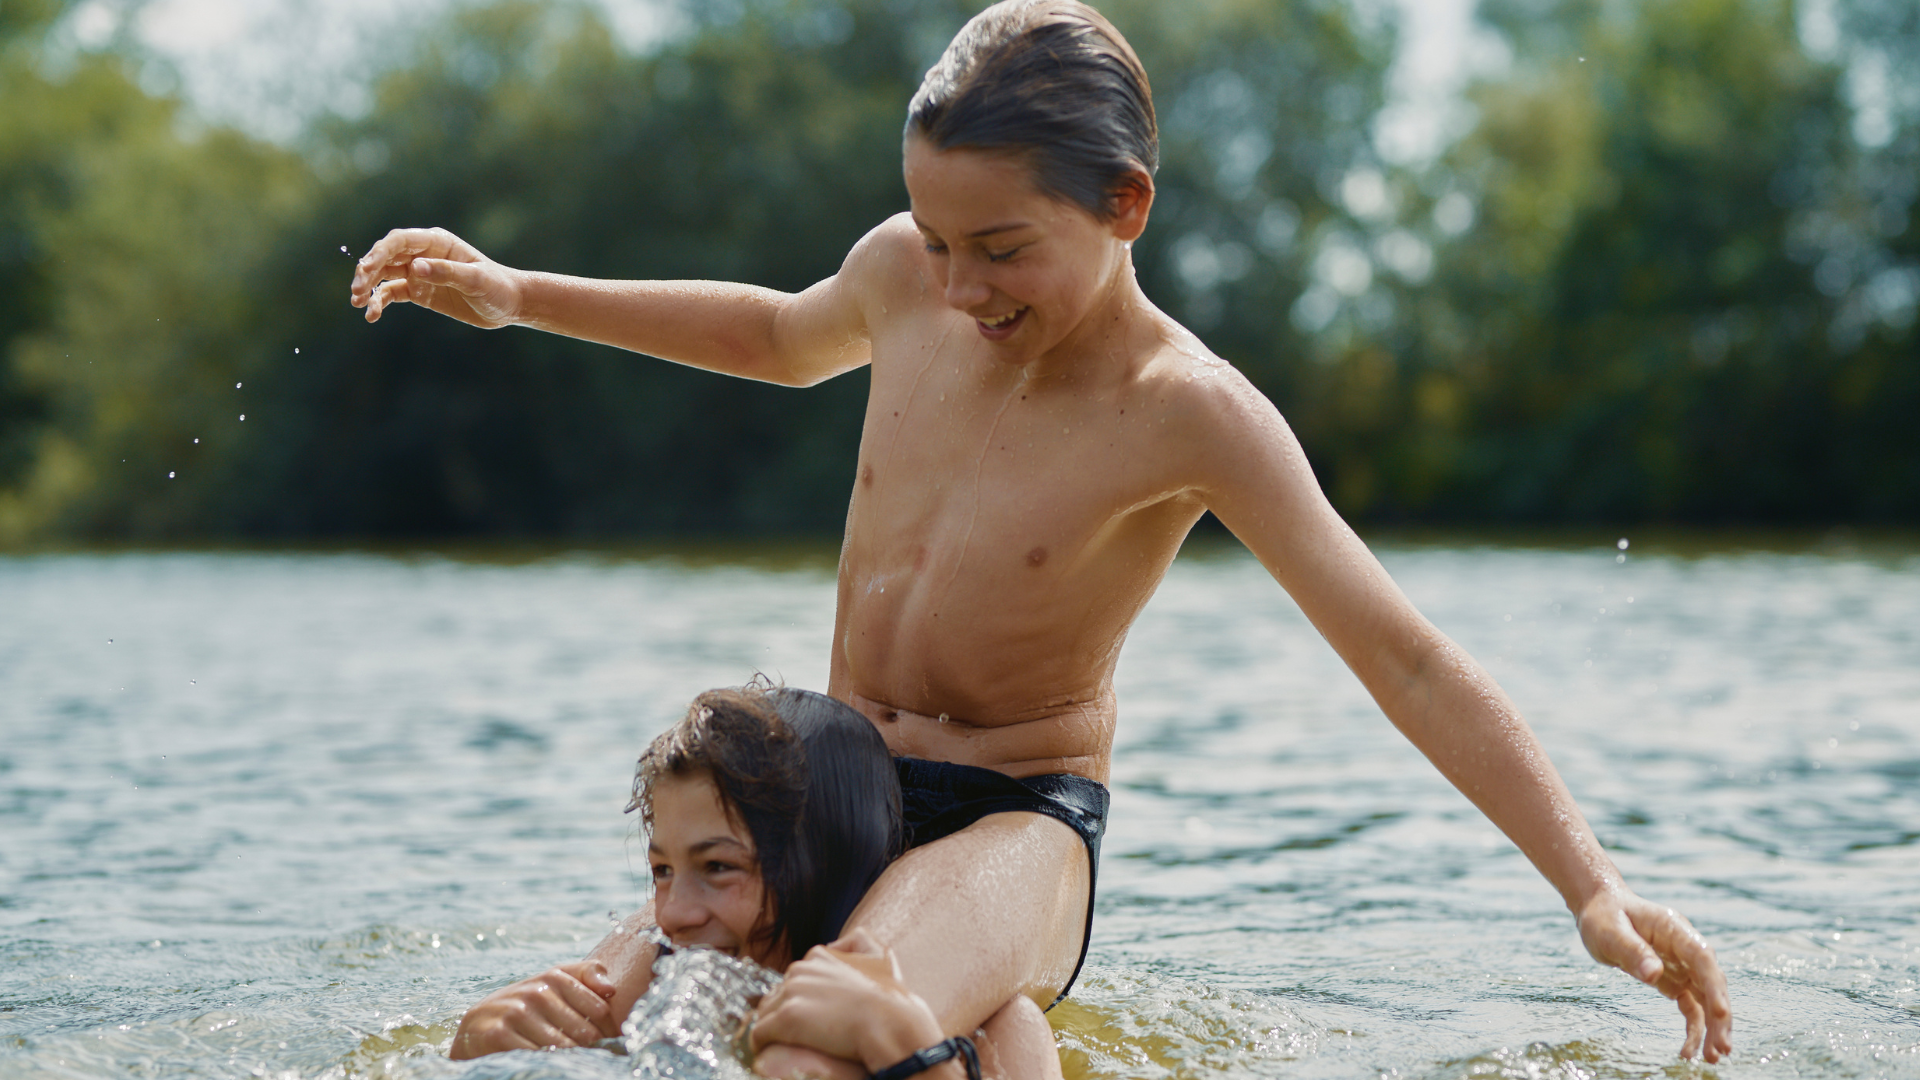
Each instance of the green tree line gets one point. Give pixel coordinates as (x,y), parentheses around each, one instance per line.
(1670,275)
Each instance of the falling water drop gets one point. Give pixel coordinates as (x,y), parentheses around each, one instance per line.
(243,416)
(344,251)
(169,476)
(236,386)
(1622,545)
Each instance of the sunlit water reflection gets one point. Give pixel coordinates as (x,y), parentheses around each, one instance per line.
(285,815)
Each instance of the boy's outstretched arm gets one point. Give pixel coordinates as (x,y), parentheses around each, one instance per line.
(1257,480)
(795,339)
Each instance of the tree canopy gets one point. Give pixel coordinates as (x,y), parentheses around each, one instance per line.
(1670,275)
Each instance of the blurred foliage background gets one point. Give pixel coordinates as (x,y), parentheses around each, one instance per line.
(1670,274)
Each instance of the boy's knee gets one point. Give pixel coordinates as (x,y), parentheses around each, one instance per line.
(1018,1042)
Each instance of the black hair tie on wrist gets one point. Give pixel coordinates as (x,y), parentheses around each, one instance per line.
(921,1060)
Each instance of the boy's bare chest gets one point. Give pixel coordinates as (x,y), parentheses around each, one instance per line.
(1006,473)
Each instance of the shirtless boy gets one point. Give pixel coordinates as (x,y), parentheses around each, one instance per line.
(1039,439)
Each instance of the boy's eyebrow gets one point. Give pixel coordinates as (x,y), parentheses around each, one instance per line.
(1009,227)
(703,846)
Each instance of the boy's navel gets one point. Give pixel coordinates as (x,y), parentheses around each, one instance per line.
(1037,557)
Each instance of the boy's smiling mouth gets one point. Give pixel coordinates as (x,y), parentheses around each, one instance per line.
(1002,325)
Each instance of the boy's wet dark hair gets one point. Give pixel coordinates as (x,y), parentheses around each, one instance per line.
(1051,81)
(812,782)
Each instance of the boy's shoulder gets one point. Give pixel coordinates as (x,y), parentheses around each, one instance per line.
(1191,381)
(889,262)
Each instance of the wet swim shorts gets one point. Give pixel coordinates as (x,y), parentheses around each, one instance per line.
(940,798)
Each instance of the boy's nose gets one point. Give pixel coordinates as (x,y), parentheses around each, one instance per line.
(676,912)
(964,290)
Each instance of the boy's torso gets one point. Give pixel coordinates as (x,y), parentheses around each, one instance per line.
(1002,536)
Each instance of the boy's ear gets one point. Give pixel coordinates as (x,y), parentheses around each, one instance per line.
(1132,202)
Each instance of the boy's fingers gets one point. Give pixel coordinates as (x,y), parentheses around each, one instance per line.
(594,975)
(859,940)
(1691,976)
(393,291)
(577,997)
(1696,1024)
(400,244)
(466,277)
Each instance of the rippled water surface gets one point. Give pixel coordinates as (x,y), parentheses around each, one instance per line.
(285,815)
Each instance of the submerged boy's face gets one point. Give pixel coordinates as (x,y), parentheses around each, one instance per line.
(1028,268)
(707,888)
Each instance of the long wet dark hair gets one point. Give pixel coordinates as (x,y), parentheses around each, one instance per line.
(1052,81)
(812,782)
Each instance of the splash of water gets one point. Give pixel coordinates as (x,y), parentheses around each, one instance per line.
(691,1024)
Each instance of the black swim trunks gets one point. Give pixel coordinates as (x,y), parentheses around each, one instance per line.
(940,798)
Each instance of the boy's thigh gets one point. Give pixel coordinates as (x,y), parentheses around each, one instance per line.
(995,910)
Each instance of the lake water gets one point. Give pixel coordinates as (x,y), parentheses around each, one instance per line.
(287,814)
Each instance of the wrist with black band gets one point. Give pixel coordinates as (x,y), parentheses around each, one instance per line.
(938,1054)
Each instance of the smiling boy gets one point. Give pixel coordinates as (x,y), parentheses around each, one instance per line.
(1038,441)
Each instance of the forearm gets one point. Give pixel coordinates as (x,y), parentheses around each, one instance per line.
(720,326)
(628,954)
(1455,714)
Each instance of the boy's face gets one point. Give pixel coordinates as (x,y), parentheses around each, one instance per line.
(707,888)
(1028,268)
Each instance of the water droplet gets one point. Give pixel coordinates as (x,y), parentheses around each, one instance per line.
(243,416)
(109,641)
(296,352)
(236,386)
(943,718)
(479,937)
(1622,545)
(154,945)
(196,442)
(190,682)
(344,251)
(1619,558)
(169,476)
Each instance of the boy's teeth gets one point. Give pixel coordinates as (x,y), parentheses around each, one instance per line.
(1004,319)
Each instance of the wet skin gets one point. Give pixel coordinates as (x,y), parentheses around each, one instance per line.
(1038,441)
(708,892)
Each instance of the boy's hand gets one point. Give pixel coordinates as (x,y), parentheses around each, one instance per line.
(846,1000)
(566,1006)
(437,270)
(1658,946)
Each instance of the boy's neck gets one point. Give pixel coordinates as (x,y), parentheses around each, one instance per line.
(1097,350)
